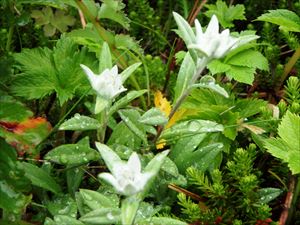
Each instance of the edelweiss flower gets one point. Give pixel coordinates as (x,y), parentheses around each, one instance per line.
(126,178)
(108,84)
(211,43)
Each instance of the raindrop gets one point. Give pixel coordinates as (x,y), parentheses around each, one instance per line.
(64,159)
(110,216)
(85,159)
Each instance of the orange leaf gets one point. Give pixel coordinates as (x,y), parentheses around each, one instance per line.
(30,124)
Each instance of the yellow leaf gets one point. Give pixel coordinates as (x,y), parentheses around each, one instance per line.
(177,116)
(162,103)
(160,144)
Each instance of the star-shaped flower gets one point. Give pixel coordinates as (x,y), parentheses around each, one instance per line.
(125,177)
(108,84)
(211,43)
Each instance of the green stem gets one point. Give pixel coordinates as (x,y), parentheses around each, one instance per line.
(200,67)
(104,120)
(9,38)
(289,66)
(196,76)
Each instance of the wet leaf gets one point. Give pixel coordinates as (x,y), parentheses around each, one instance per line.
(40,178)
(102,216)
(154,116)
(72,154)
(79,122)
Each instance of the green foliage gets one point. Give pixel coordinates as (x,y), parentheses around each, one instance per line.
(113,10)
(230,194)
(240,65)
(287,20)
(9,106)
(72,154)
(49,175)
(285,147)
(226,14)
(14,184)
(59,74)
(292,94)
(146,24)
(52,21)
(40,178)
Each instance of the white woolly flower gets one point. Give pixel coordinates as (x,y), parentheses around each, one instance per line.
(125,177)
(108,84)
(211,43)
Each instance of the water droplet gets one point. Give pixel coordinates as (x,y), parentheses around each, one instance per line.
(63,159)
(85,159)
(110,216)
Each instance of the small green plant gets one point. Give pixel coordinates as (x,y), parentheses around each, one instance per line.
(284,147)
(232,194)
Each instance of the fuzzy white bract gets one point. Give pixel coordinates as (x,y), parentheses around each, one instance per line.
(108,84)
(125,177)
(211,43)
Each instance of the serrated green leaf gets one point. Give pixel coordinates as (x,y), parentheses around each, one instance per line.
(79,122)
(185,74)
(126,42)
(61,21)
(242,74)
(52,3)
(289,130)
(294,162)
(287,20)
(40,178)
(60,72)
(226,15)
(153,116)
(113,10)
(287,146)
(248,58)
(217,66)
